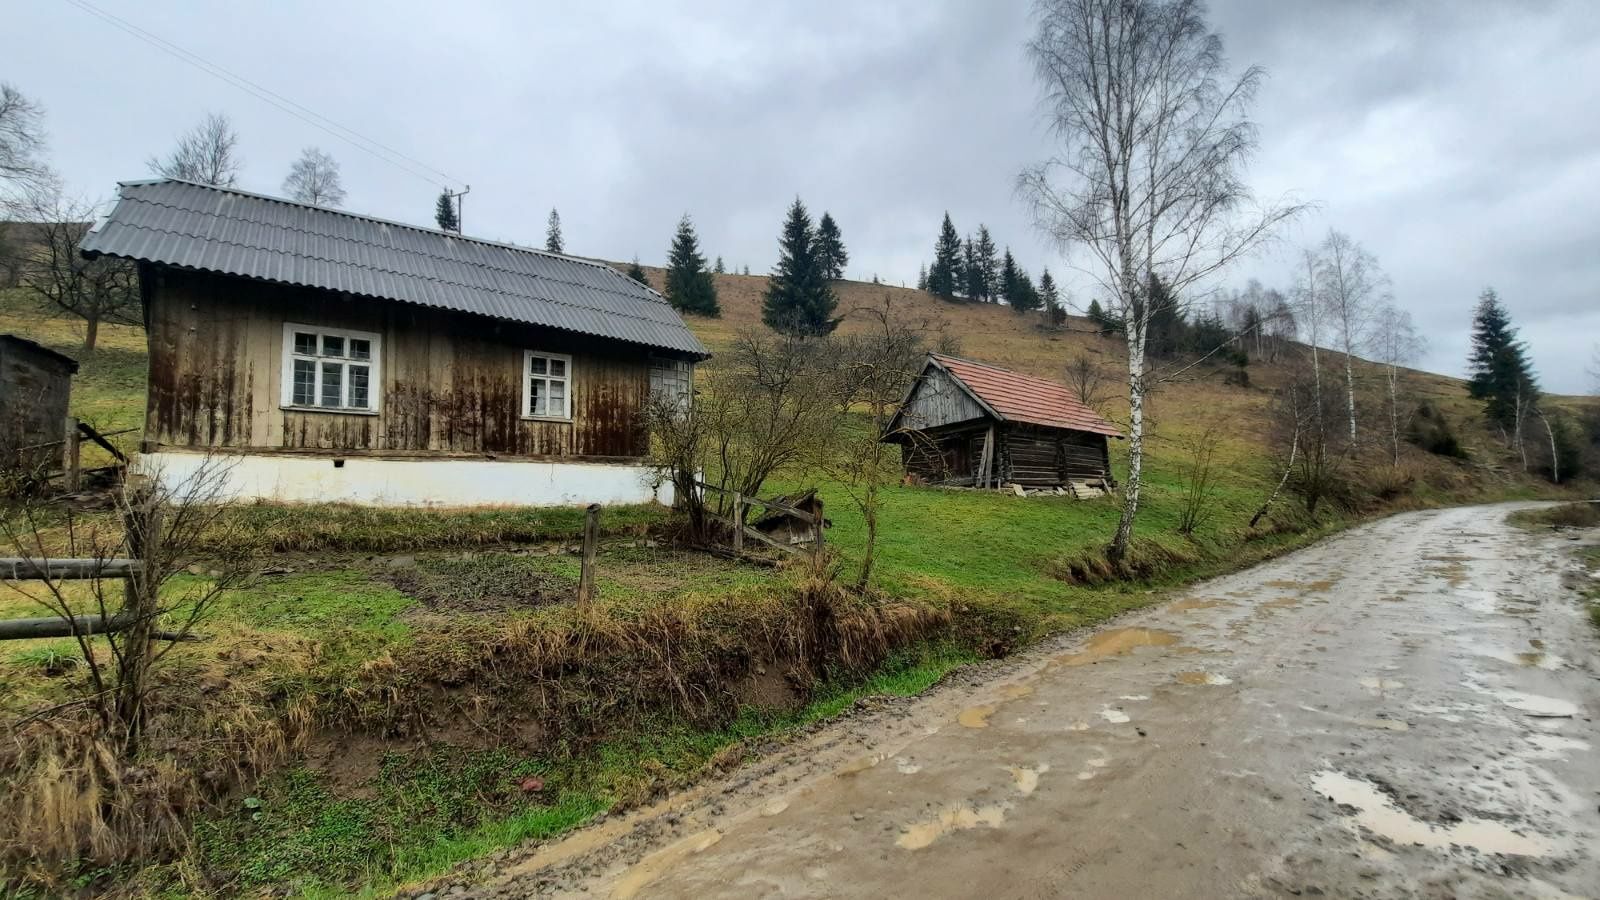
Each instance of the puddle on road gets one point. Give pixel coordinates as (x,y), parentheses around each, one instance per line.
(1114,716)
(1116,642)
(905,766)
(860,764)
(1194,603)
(958,818)
(975,716)
(774,807)
(651,867)
(1279,603)
(1016,691)
(1212,678)
(1027,780)
(1377,813)
(1555,746)
(1535,658)
(1379,685)
(1535,705)
(1385,724)
(1302,586)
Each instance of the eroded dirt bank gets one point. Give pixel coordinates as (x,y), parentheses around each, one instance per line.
(1407,709)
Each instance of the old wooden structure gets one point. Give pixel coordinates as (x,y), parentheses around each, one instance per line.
(35,387)
(971,424)
(334,356)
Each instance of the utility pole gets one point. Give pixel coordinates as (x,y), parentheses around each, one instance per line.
(459,204)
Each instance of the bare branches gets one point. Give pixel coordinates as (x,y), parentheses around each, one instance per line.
(94,290)
(314,179)
(22,141)
(1148,174)
(207,154)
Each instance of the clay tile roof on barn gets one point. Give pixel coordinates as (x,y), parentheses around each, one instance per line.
(213,229)
(1015,397)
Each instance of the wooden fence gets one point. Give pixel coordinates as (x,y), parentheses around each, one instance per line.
(741,531)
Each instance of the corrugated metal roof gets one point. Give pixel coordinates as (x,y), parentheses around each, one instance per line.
(214,229)
(1023,398)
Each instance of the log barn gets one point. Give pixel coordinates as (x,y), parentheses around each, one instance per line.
(330,356)
(967,423)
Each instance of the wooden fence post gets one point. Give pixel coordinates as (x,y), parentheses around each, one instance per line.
(72,454)
(591,539)
(816,532)
(738,522)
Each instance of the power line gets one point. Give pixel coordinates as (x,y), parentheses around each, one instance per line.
(408,164)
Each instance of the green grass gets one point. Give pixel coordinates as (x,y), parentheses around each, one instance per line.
(1566,515)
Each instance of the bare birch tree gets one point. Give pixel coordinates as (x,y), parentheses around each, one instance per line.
(207,154)
(1396,342)
(1147,179)
(314,179)
(1354,287)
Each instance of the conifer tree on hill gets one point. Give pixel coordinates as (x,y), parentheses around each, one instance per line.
(799,300)
(944,276)
(1055,312)
(689,285)
(1027,296)
(1008,288)
(973,286)
(1501,374)
(989,263)
(1104,322)
(444,213)
(830,248)
(636,272)
(719,268)
(922,277)
(552,233)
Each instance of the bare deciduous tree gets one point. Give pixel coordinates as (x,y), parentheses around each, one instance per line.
(1354,286)
(1087,381)
(207,154)
(1200,481)
(1148,177)
(314,179)
(23,173)
(94,290)
(1396,342)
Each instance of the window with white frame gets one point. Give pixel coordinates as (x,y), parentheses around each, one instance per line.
(546,385)
(330,369)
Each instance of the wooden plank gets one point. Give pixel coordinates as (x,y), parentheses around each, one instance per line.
(26,569)
(738,523)
(72,458)
(986,461)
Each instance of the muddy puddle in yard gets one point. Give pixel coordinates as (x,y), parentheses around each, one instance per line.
(1376,812)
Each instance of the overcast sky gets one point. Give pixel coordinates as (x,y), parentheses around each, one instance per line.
(1459,141)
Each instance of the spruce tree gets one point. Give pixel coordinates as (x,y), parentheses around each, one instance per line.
(944,276)
(1009,285)
(799,299)
(552,233)
(1027,298)
(970,266)
(922,277)
(718,268)
(444,213)
(746,271)
(1055,312)
(689,286)
(636,272)
(1500,372)
(989,263)
(830,248)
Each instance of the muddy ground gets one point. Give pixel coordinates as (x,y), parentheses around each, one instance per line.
(1407,709)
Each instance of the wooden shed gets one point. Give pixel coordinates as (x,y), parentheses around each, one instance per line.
(968,423)
(35,387)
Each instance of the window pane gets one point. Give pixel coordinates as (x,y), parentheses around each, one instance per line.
(536,365)
(558,397)
(358,385)
(305,382)
(332,345)
(360,349)
(332,384)
(305,344)
(558,368)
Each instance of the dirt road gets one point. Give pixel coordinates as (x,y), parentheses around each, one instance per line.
(1408,709)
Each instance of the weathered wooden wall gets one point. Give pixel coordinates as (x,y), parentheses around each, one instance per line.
(937,401)
(450,384)
(1031,456)
(35,389)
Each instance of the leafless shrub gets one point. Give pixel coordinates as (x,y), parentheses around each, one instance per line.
(1200,481)
(207,154)
(1087,381)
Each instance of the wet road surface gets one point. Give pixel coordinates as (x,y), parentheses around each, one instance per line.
(1407,709)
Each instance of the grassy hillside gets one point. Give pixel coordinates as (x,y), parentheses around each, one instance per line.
(330,701)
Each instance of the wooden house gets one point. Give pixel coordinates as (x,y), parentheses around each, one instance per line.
(972,424)
(330,356)
(35,387)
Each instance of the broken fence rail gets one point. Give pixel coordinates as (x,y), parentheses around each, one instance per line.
(740,530)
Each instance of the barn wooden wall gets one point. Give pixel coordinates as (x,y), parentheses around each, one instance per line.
(35,389)
(451,384)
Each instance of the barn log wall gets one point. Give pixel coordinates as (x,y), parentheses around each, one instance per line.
(35,390)
(450,384)
(1031,456)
